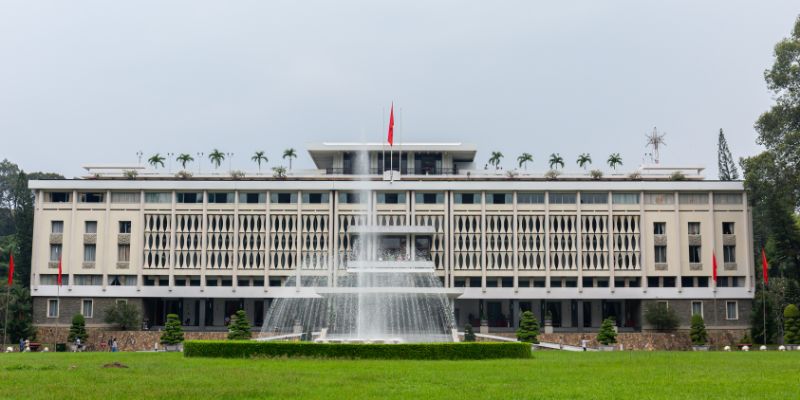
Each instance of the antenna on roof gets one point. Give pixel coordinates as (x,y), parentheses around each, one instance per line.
(654,140)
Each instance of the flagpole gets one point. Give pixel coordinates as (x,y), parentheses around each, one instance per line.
(58,316)
(5,324)
(764,303)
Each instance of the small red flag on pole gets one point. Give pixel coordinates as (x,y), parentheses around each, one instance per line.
(764,266)
(714,267)
(59,271)
(391,126)
(11,270)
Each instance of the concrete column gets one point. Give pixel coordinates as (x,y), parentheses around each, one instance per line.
(580,315)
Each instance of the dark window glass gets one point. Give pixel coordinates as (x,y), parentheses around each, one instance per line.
(669,281)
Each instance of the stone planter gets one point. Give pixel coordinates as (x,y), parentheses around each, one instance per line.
(704,347)
(607,347)
(172,347)
(548,326)
(484,327)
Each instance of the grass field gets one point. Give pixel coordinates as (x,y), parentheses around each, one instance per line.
(561,375)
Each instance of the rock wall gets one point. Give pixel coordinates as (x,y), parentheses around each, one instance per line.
(126,340)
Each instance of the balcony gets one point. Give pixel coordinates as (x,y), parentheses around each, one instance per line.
(403,170)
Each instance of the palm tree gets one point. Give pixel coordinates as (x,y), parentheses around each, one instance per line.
(584,159)
(556,160)
(184,159)
(258,157)
(155,160)
(289,153)
(495,158)
(613,160)
(525,158)
(216,157)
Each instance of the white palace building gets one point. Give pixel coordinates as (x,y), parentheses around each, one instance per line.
(578,249)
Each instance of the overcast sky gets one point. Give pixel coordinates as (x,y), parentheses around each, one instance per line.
(94,81)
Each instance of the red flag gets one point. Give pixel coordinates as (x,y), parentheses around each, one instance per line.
(714,267)
(11,270)
(59,270)
(391,126)
(764,266)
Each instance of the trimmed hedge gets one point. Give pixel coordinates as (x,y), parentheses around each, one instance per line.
(403,351)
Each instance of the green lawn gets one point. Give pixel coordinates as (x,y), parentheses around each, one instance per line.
(633,375)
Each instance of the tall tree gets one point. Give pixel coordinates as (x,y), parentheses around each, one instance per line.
(258,157)
(155,160)
(725,163)
(495,159)
(583,160)
(216,157)
(524,159)
(613,160)
(556,160)
(289,153)
(184,159)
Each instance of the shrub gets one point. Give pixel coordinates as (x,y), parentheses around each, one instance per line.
(125,316)
(130,173)
(596,174)
(635,176)
(236,175)
(791,325)
(552,174)
(469,334)
(407,351)
(607,334)
(528,328)
(677,176)
(78,329)
(183,175)
(698,332)
(279,172)
(661,317)
(239,328)
(173,333)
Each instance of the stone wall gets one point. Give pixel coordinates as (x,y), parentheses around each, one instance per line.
(678,340)
(72,305)
(126,340)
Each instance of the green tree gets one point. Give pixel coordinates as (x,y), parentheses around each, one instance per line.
(698,332)
(289,153)
(725,163)
(20,314)
(791,325)
(184,159)
(239,328)
(123,315)
(556,160)
(584,160)
(469,334)
(173,332)
(607,335)
(155,160)
(78,329)
(758,331)
(528,330)
(614,160)
(216,157)
(259,157)
(495,159)
(661,317)
(524,159)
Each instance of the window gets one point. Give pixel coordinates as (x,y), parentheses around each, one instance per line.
(498,198)
(659,198)
(220,198)
(157,197)
(88,280)
(693,198)
(52,279)
(562,198)
(91,197)
(659,228)
(55,252)
(124,226)
(252,198)
(731,310)
(89,252)
(467,198)
(668,281)
(702,281)
(653,281)
(663,303)
(58,197)
(660,253)
(123,253)
(52,308)
(694,228)
(727,198)
(283,197)
(722,281)
(315,198)
(729,254)
(530,198)
(121,301)
(189,198)
(87,307)
(90,227)
(349,198)
(593,198)
(625,198)
(687,281)
(429,198)
(125,197)
(694,254)
(391,198)
(697,308)
(727,228)
(122,280)
(56,226)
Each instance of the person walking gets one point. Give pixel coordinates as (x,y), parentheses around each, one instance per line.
(110,343)
(21,345)
(114,345)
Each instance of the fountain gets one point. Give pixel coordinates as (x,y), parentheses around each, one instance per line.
(388,293)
